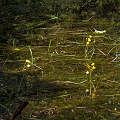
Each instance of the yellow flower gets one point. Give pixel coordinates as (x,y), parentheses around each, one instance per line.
(88,66)
(87,72)
(93,67)
(89,39)
(93,64)
(90,36)
(87,90)
(28,65)
(28,61)
(87,43)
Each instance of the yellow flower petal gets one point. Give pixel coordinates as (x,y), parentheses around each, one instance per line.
(89,39)
(87,72)
(87,90)
(28,65)
(93,67)
(87,43)
(90,36)
(28,61)
(88,66)
(93,64)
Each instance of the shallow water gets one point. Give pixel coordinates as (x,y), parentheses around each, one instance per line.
(58,74)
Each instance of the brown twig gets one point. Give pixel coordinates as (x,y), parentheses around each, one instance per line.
(20,107)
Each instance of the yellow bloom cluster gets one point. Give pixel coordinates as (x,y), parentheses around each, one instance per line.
(90,67)
(28,63)
(88,40)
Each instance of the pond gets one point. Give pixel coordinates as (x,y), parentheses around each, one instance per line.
(66,71)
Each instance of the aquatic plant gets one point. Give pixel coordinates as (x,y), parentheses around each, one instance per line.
(90,66)
(28,63)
